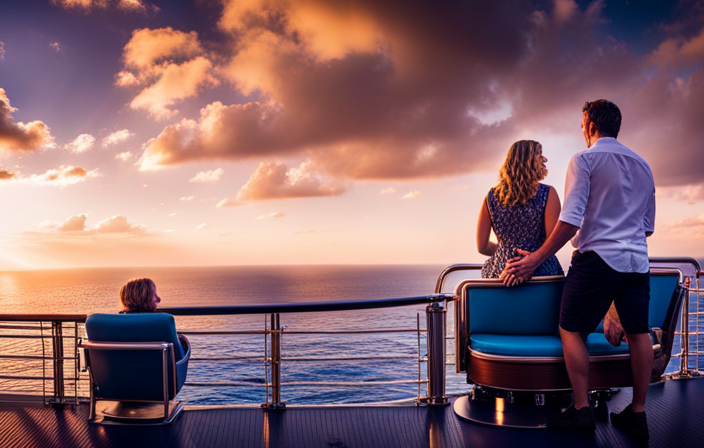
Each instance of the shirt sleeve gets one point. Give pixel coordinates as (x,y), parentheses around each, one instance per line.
(576,192)
(649,220)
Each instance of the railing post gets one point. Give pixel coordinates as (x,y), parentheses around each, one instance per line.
(275,340)
(57,342)
(435,315)
(684,361)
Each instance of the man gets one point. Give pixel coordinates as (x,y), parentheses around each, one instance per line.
(609,211)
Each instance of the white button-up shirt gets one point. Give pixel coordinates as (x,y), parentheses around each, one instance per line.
(610,195)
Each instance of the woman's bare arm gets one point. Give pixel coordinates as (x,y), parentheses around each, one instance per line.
(552,211)
(484,245)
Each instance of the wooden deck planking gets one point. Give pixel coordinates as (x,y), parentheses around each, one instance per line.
(676,417)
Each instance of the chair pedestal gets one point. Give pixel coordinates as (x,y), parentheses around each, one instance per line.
(136,413)
(510,409)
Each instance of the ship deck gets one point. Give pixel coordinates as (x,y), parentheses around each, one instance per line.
(675,409)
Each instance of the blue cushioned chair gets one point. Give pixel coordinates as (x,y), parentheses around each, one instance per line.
(137,365)
(507,338)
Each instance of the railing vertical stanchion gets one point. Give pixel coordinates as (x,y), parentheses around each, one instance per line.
(435,330)
(57,339)
(276,330)
(684,361)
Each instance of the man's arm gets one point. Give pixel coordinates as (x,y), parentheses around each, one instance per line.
(519,270)
(649,219)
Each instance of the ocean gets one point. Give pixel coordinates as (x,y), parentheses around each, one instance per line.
(93,290)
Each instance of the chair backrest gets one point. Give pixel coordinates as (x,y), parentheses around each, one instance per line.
(531,308)
(665,292)
(132,374)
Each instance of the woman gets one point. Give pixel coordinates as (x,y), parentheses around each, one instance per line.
(520,210)
(139,296)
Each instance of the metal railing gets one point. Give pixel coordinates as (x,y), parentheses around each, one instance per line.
(689,321)
(23,364)
(274,332)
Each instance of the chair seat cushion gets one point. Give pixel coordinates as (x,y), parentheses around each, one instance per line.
(538,346)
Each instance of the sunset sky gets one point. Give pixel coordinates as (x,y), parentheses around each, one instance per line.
(237,132)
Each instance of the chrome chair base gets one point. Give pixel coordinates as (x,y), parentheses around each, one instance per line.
(136,413)
(513,410)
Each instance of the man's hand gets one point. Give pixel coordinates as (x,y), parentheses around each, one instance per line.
(519,269)
(612,328)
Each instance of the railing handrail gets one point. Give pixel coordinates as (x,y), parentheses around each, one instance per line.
(306,307)
(43,317)
(454,268)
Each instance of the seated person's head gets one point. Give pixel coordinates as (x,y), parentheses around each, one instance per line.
(139,296)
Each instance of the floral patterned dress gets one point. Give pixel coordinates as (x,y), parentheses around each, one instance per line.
(519,227)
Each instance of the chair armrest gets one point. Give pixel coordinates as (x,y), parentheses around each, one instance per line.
(182,364)
(186,344)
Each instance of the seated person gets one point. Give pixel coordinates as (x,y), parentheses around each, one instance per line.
(521,211)
(139,296)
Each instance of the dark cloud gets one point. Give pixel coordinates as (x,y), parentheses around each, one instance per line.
(400,90)
(20,137)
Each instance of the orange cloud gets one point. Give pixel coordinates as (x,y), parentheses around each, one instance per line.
(119,224)
(124,156)
(62,176)
(680,51)
(19,137)
(683,193)
(276,181)
(117,137)
(82,143)
(6,175)
(271,215)
(211,176)
(177,82)
(74,223)
(692,221)
(411,195)
(169,65)
(75,226)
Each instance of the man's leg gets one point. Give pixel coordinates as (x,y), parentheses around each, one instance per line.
(577,362)
(642,365)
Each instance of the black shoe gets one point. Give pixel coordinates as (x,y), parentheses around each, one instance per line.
(635,423)
(574,419)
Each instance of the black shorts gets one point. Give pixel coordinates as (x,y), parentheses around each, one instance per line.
(590,288)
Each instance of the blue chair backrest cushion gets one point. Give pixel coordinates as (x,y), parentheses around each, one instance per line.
(135,374)
(528,309)
(663,289)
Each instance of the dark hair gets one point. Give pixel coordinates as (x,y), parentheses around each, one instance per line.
(605,115)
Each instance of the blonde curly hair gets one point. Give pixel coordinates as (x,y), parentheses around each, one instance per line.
(520,174)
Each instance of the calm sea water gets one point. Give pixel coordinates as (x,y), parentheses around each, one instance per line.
(86,291)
